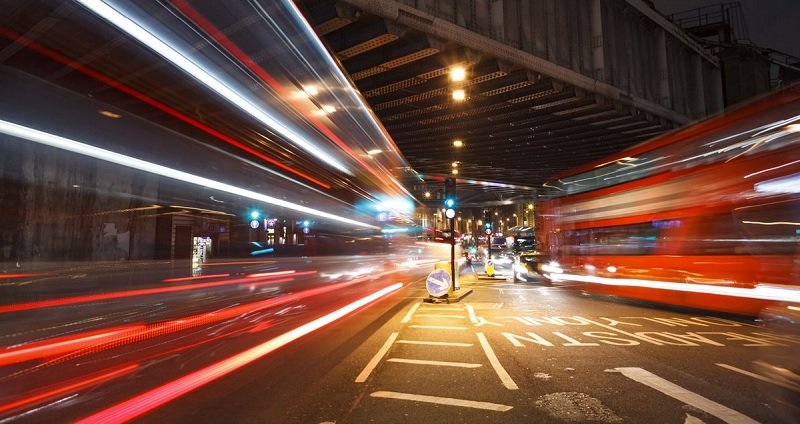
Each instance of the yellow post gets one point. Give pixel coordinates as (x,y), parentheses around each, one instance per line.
(489,268)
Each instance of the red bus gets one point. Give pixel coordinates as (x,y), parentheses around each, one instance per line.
(706,217)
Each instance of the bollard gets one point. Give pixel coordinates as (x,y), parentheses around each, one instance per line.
(489,268)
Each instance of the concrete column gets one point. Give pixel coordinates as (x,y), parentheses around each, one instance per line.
(598,60)
(697,92)
(664,97)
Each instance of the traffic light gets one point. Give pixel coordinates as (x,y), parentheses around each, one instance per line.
(487,222)
(450,197)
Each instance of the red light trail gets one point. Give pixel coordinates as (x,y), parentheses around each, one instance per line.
(161,395)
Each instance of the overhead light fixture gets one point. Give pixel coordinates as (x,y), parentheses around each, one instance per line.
(459,95)
(427,194)
(374,152)
(458,74)
(458,143)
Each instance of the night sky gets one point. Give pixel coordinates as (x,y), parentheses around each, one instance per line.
(771,23)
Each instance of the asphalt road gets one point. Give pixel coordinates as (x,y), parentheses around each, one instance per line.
(505,353)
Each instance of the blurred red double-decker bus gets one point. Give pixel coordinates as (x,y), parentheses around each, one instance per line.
(705,217)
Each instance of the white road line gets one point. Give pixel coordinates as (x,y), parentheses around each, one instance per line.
(437,363)
(471,312)
(720,411)
(411,311)
(793,387)
(376,359)
(438,327)
(441,308)
(443,401)
(423,342)
(441,316)
(498,368)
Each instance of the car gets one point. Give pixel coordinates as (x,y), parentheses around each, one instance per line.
(523,244)
(528,266)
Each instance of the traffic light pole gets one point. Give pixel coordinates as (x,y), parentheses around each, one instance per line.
(453,254)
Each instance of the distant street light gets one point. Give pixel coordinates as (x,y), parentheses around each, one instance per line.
(458,143)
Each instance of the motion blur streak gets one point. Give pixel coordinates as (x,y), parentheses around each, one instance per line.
(154,398)
(62,345)
(155,103)
(9,276)
(129,293)
(180,60)
(48,139)
(83,382)
(199,277)
(761,291)
(217,34)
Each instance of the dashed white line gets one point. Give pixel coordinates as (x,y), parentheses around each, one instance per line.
(785,385)
(423,342)
(441,308)
(671,389)
(441,316)
(438,327)
(471,312)
(443,401)
(376,359)
(411,311)
(436,363)
(498,368)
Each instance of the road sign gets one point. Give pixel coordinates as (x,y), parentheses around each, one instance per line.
(438,282)
(254,224)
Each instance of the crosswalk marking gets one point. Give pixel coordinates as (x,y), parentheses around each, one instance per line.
(441,316)
(438,327)
(436,363)
(443,401)
(673,390)
(424,342)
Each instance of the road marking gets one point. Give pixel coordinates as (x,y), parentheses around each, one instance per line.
(422,342)
(443,401)
(498,368)
(441,316)
(411,311)
(437,363)
(785,385)
(673,390)
(471,312)
(376,359)
(438,327)
(442,308)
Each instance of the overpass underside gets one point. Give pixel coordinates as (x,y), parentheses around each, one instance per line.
(551,84)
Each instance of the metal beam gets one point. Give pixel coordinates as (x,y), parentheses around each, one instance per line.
(413,18)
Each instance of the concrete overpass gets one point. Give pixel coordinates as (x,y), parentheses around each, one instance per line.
(550,84)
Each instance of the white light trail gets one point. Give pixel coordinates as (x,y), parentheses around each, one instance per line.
(761,291)
(52,140)
(180,60)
